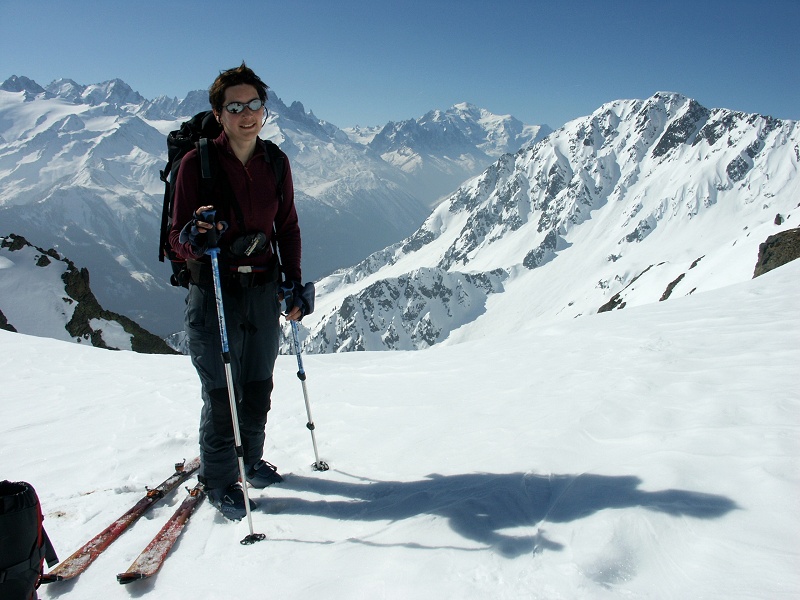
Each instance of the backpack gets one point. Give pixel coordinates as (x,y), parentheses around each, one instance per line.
(196,133)
(24,544)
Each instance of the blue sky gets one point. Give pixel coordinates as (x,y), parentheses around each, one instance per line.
(368,62)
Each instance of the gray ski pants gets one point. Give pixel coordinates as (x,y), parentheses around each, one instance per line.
(252,322)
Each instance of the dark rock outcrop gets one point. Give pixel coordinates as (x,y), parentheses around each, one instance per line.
(4,324)
(778,250)
(86,307)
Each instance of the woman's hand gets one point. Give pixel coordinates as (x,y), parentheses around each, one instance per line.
(204,226)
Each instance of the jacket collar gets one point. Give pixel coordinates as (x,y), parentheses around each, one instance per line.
(223,142)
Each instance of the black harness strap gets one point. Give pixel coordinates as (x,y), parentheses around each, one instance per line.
(209,167)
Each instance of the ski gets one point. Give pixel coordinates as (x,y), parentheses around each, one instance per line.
(78,562)
(153,556)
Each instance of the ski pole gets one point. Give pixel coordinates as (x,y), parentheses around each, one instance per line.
(226,359)
(301,375)
(301,372)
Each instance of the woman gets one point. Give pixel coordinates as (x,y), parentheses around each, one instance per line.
(249,211)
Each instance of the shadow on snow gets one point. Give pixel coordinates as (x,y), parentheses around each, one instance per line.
(480,506)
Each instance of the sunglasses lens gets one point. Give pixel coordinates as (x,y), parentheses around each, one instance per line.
(237,107)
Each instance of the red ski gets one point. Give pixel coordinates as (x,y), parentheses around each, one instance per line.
(150,560)
(78,562)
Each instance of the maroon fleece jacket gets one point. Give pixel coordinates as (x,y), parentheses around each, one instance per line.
(254,186)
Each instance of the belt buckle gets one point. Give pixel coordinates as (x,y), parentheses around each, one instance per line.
(247,276)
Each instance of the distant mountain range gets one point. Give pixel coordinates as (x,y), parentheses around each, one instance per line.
(641,201)
(79,173)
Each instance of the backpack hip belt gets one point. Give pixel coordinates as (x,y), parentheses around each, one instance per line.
(244,276)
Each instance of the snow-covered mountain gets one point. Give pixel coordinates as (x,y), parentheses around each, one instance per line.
(47,295)
(79,172)
(443,149)
(638,202)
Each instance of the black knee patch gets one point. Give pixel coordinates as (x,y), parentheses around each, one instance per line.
(221,412)
(257,401)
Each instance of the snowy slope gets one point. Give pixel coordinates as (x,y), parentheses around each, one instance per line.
(641,201)
(40,276)
(46,295)
(643,453)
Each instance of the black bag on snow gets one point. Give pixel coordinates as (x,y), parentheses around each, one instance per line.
(196,133)
(24,544)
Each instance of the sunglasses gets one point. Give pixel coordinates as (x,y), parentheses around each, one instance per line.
(236,107)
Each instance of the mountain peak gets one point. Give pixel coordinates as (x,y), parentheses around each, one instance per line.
(22,84)
(67,89)
(114,91)
(465,107)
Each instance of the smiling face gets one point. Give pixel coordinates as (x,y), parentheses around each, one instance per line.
(242,128)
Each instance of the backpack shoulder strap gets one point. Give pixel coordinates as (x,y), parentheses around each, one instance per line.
(275,158)
(209,168)
(205,158)
(166,209)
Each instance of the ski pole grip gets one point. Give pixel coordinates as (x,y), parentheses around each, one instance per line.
(212,235)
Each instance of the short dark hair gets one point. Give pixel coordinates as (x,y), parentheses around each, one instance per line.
(237,76)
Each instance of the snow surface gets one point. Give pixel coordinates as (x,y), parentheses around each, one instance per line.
(644,453)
